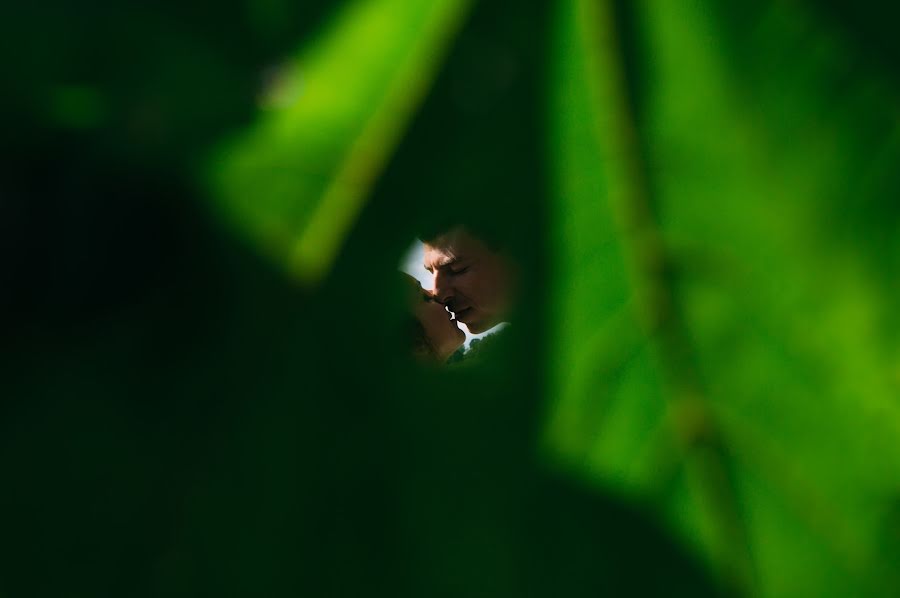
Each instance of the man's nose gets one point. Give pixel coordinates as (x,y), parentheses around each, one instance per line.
(442,292)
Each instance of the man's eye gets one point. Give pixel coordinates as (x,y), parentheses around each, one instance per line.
(460,271)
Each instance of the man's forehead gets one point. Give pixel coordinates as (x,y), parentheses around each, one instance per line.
(437,256)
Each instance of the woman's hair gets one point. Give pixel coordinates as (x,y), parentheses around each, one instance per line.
(416,338)
(419,342)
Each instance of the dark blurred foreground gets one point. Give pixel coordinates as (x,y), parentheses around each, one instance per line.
(180,417)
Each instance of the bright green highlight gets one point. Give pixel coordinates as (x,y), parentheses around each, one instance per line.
(748,390)
(297,180)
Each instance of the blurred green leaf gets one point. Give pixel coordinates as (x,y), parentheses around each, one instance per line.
(720,349)
(329,120)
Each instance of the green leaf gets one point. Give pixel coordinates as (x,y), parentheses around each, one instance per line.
(297,179)
(722,345)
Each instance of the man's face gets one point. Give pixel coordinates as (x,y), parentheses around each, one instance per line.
(469,279)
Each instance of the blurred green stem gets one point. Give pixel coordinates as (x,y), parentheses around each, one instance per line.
(655,293)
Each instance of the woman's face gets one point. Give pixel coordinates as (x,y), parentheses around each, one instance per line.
(444,336)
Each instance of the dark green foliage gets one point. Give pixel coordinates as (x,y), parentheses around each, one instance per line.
(206,385)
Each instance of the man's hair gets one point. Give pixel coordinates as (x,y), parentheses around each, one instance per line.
(489,238)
